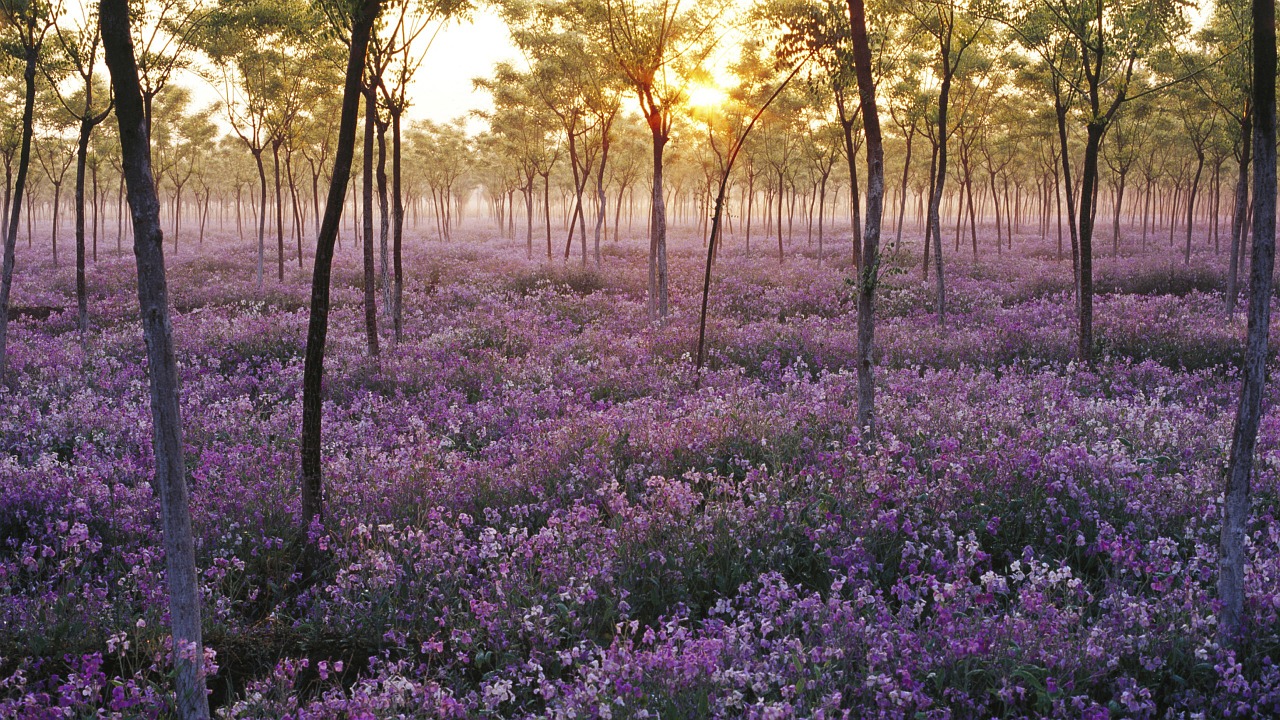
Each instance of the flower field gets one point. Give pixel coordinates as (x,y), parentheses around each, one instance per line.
(535,509)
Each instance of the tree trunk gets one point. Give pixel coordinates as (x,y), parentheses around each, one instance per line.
(924,213)
(781,194)
(935,202)
(527,191)
(82,158)
(1191,204)
(57,201)
(822,206)
(602,205)
(19,188)
(384,220)
(97,208)
(875,206)
(1089,179)
(153,301)
(546,207)
(1231,581)
(370,279)
(658,231)
(397,230)
(8,198)
(275,160)
(1238,216)
(294,207)
(318,325)
(1064,156)
(177,213)
(1115,225)
(906,175)
(262,215)
(204,216)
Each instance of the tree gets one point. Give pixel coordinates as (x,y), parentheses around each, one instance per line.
(1129,136)
(821,150)
(179,140)
(163,31)
(1235,509)
(1199,120)
(27,22)
(55,154)
(656,44)
(727,131)
(1094,49)
(954,30)
(571,74)
(442,152)
(262,49)
(153,301)
(358,24)
(875,197)
(521,123)
(406,52)
(1227,84)
(372,76)
(79,46)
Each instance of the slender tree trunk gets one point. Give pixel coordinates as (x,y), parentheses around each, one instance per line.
(294,207)
(177,213)
(275,159)
(97,208)
(658,230)
(527,191)
(162,367)
(822,205)
(617,211)
(781,194)
(1089,179)
(397,218)
(318,325)
(1115,225)
(57,204)
(120,217)
(370,279)
(601,204)
(384,220)
(82,158)
(1064,155)
(875,199)
(973,223)
(8,198)
(935,202)
(1191,204)
(851,158)
(924,213)
(906,175)
(546,207)
(204,217)
(262,216)
(1238,230)
(19,189)
(1231,581)
(995,205)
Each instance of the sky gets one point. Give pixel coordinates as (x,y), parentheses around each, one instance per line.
(442,88)
(462,50)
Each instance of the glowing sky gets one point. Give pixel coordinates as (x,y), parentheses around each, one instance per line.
(463,50)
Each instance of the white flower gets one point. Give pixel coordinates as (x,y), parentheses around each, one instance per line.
(497,693)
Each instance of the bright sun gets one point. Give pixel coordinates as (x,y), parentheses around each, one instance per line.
(706,97)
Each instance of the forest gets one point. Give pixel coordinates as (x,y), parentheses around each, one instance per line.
(719,359)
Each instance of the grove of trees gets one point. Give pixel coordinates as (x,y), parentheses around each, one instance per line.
(892,129)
